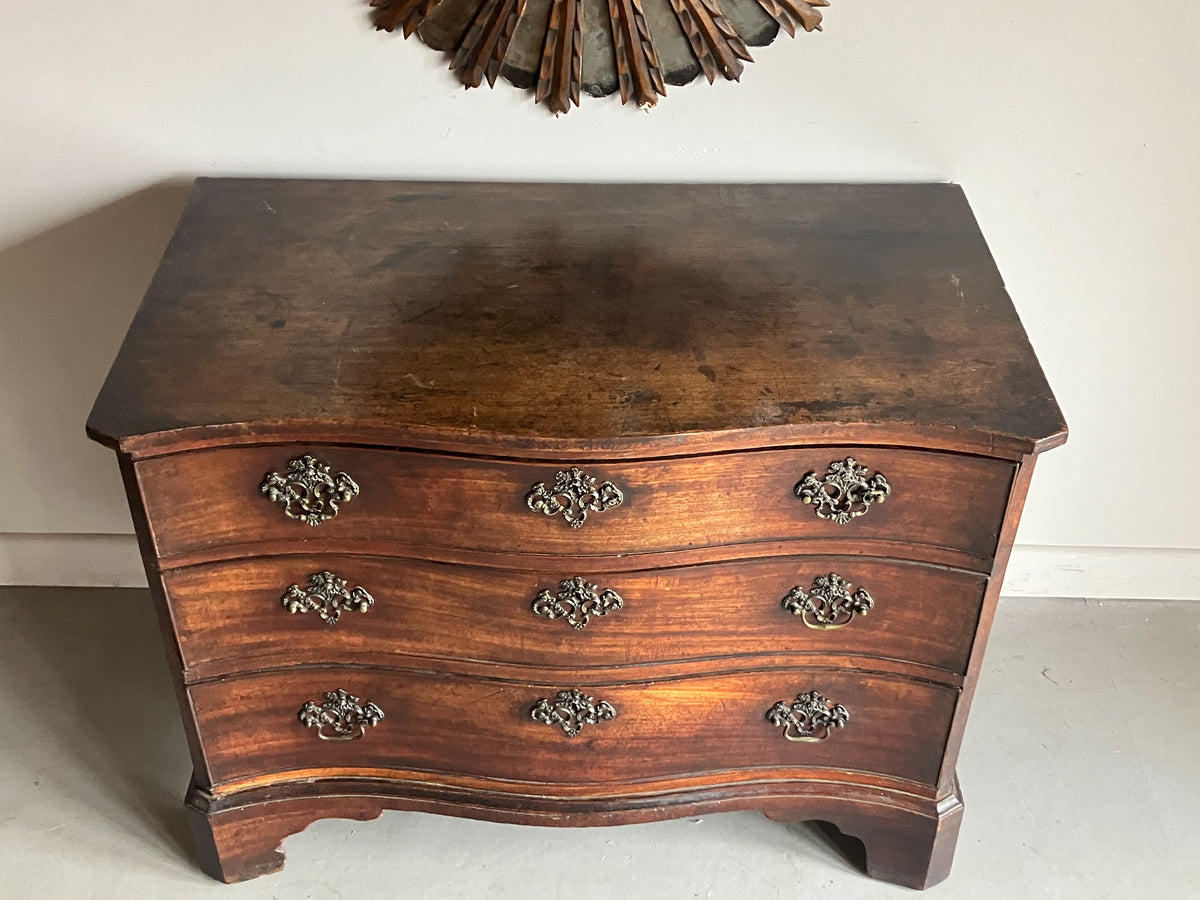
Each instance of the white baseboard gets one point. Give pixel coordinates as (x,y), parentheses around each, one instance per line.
(1101,573)
(1104,573)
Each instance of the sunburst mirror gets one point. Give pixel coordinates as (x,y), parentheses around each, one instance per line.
(562,48)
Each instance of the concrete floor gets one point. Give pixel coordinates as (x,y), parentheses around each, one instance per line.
(1081,772)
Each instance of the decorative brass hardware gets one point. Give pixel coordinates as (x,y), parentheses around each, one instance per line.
(829,604)
(573,495)
(340,717)
(326,595)
(572,710)
(578,601)
(845,492)
(809,717)
(309,487)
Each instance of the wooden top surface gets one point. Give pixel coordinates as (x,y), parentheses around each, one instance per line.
(560,319)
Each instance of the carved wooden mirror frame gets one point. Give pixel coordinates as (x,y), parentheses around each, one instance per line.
(561,48)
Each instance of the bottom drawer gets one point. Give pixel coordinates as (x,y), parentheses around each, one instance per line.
(252,731)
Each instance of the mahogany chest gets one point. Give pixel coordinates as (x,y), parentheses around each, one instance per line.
(576,504)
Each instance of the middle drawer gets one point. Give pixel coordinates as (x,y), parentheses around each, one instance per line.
(276,611)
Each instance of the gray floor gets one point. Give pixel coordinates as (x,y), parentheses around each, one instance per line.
(1081,771)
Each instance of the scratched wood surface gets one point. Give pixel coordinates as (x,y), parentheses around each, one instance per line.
(621,317)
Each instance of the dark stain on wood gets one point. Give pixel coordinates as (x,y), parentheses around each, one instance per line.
(704,349)
(514,301)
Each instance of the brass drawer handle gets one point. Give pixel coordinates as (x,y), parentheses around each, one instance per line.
(572,710)
(308,491)
(829,604)
(340,717)
(577,601)
(574,494)
(809,717)
(326,595)
(845,492)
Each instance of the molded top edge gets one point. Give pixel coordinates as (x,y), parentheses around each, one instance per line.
(577,319)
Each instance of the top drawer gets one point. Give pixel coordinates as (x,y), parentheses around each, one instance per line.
(202,501)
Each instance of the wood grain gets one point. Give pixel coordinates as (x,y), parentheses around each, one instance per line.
(229,618)
(1008,536)
(639,74)
(703,348)
(562,57)
(482,50)
(715,42)
(909,837)
(206,499)
(911,848)
(417,313)
(664,728)
(623,51)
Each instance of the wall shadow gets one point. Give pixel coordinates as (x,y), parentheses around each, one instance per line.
(67,296)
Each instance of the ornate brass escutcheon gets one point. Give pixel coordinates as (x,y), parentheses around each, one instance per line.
(572,710)
(829,604)
(327,596)
(809,717)
(340,717)
(308,492)
(577,601)
(574,495)
(844,493)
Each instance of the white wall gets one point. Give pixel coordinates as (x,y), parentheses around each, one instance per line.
(1072,125)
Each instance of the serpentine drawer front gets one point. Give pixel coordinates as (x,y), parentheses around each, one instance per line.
(254,733)
(576,505)
(250,614)
(201,503)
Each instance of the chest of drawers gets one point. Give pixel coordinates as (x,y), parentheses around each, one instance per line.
(576,505)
